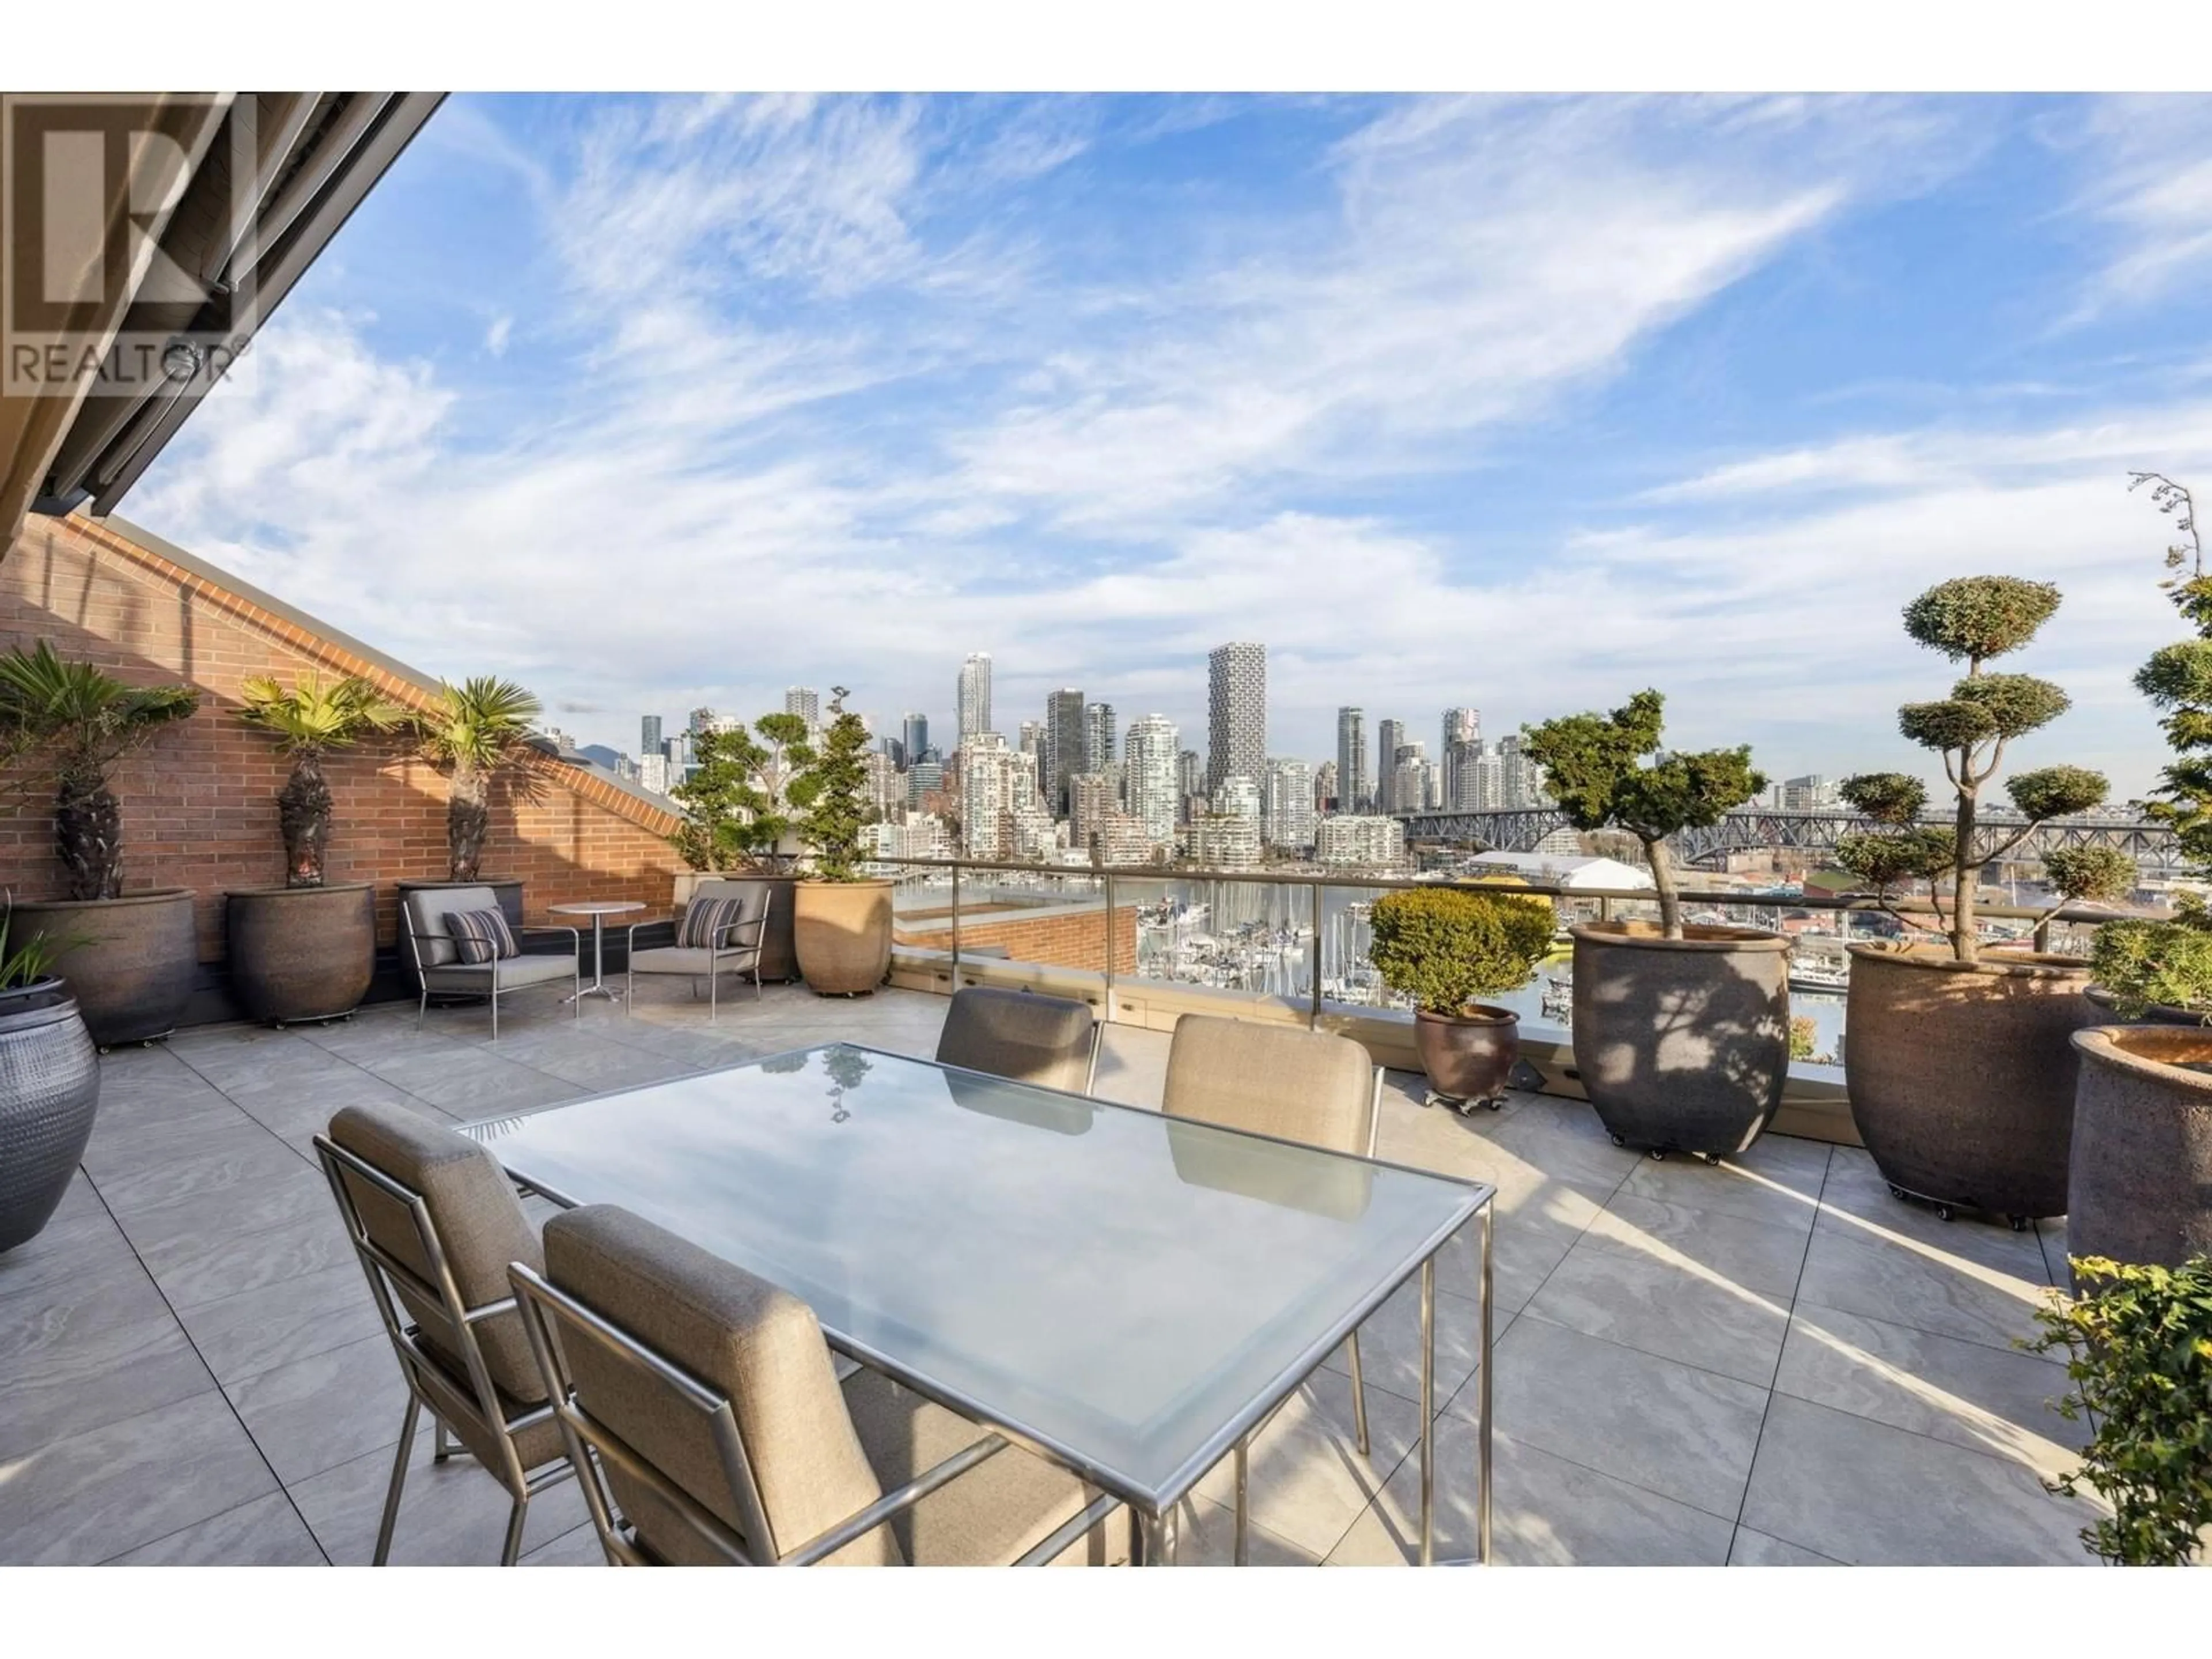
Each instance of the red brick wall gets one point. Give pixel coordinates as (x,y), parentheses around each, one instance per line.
(1071,938)
(199,807)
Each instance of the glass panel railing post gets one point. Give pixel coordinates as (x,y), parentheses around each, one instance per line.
(956,924)
(1110,947)
(1313,956)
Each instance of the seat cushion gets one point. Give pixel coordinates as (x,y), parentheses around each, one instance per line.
(1019,1035)
(990,1516)
(739,1334)
(1310,1086)
(481,936)
(514,971)
(676,959)
(480,1225)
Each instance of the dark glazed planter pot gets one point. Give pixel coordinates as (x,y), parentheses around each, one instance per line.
(842,931)
(509,893)
(301,953)
(1682,1045)
(2139,1185)
(49,1095)
(131,968)
(1962,1076)
(1469,1058)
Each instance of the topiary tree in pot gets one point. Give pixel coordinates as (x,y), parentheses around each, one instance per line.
(307,950)
(130,960)
(1447,948)
(842,916)
(739,807)
(1681,1032)
(1957,1060)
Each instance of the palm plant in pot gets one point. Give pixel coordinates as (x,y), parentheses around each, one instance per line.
(1682,1031)
(842,916)
(1957,1058)
(739,818)
(129,959)
(477,733)
(49,1084)
(307,950)
(1447,948)
(2140,1185)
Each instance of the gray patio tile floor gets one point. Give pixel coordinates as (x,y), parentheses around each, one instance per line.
(1770,1363)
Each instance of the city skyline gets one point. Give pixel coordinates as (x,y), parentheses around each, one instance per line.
(1525,404)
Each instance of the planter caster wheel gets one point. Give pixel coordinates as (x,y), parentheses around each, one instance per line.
(1896,1191)
(1943,1213)
(1711,1159)
(105,1049)
(1620,1140)
(2018,1222)
(1658,1154)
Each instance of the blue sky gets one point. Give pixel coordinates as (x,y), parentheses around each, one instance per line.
(1520,403)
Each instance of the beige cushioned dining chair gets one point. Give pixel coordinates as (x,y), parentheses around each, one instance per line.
(706,1398)
(1309,1086)
(1052,1041)
(435,1224)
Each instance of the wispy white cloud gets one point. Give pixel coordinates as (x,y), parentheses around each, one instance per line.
(2148,163)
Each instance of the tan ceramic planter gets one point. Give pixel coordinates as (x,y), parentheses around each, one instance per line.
(843,930)
(1961,1078)
(2140,1188)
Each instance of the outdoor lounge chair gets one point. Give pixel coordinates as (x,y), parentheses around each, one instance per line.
(427,913)
(1052,1041)
(700,1405)
(436,1225)
(1310,1086)
(720,931)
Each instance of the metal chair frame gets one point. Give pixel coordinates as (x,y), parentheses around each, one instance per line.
(715,952)
(551,1316)
(429,1383)
(424,971)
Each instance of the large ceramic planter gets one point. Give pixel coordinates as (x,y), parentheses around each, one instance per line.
(301,953)
(1469,1057)
(1682,1044)
(2140,1186)
(129,962)
(842,931)
(509,893)
(49,1093)
(1962,1076)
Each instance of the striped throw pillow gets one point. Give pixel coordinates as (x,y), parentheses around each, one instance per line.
(704,920)
(481,936)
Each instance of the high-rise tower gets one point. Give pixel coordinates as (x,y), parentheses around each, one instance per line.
(1152,784)
(1388,734)
(1351,788)
(916,738)
(1062,756)
(1237,713)
(975,698)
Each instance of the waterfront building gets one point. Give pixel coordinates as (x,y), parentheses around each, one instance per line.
(1286,804)
(1152,776)
(1222,841)
(1359,841)
(1325,788)
(1353,790)
(975,696)
(1238,796)
(1060,757)
(1237,712)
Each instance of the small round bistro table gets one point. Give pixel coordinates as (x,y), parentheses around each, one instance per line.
(598,910)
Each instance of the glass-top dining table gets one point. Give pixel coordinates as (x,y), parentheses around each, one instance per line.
(1128,1294)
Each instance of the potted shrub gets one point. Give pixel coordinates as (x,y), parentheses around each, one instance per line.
(307,950)
(842,917)
(1681,1033)
(476,732)
(1446,947)
(2138,1342)
(2140,1189)
(1957,1058)
(129,959)
(49,1084)
(737,822)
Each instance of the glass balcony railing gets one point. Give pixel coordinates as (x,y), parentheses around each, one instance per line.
(1304,937)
